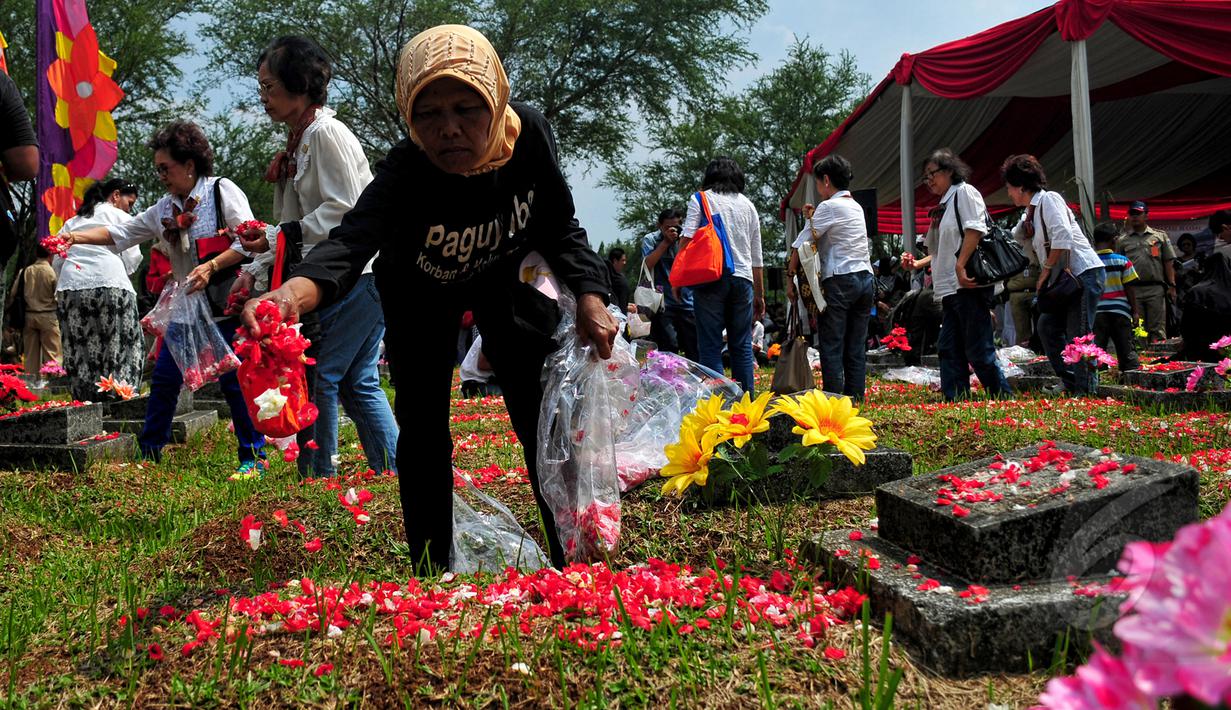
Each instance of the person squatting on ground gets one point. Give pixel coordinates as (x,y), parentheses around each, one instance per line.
(735,299)
(453,211)
(95,300)
(1117,309)
(1061,248)
(966,331)
(674,328)
(199,255)
(838,227)
(1153,257)
(318,179)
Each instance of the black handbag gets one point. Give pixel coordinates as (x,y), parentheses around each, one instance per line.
(218,290)
(1058,294)
(998,256)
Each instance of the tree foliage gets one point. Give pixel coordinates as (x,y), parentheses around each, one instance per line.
(589,66)
(767,128)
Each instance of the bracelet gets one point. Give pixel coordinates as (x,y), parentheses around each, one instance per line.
(213,267)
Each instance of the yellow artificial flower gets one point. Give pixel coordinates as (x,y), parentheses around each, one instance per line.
(1140,330)
(745,418)
(688,459)
(704,414)
(833,420)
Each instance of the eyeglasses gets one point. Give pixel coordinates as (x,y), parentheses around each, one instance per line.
(162,169)
(929,174)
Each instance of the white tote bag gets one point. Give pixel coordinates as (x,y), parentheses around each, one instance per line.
(810,262)
(646,297)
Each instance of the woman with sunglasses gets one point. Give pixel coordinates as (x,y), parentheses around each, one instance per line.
(202,250)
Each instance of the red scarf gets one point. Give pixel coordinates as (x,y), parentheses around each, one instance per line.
(282,167)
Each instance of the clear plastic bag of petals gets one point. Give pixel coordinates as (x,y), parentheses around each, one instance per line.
(914,374)
(669,386)
(155,322)
(585,401)
(486,536)
(196,344)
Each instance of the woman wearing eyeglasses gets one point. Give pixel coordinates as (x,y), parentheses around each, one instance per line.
(958,223)
(95,301)
(193,218)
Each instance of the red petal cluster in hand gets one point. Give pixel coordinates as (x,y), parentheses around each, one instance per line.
(275,361)
(236,301)
(251,229)
(56,244)
(896,340)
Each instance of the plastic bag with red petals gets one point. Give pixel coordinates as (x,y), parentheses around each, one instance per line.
(272,376)
(195,343)
(155,322)
(486,536)
(585,401)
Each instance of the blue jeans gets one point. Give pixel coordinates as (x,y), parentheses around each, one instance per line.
(165,383)
(843,332)
(351,331)
(725,303)
(966,343)
(1057,330)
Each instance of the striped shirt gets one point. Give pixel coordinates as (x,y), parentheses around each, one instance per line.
(1119,272)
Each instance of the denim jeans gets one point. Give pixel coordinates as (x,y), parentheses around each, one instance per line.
(966,343)
(351,331)
(1057,330)
(844,333)
(165,383)
(725,303)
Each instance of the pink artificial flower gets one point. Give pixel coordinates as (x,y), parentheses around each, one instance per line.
(1194,379)
(1223,367)
(1223,342)
(1176,638)
(1103,683)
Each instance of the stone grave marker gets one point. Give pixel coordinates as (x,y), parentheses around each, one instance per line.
(65,436)
(1167,388)
(984,565)
(129,416)
(883,465)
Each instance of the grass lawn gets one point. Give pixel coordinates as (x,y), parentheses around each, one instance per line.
(133,585)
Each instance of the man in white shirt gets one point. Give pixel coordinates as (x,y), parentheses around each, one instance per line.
(840,233)
(1220,227)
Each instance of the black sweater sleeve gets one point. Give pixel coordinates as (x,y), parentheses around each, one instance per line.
(560,238)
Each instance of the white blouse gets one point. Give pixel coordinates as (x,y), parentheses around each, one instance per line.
(743,225)
(148,224)
(1063,231)
(91,266)
(842,232)
(331,171)
(945,242)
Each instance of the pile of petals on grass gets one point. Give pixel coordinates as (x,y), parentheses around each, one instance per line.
(487,475)
(591,606)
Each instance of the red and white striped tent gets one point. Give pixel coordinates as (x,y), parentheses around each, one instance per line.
(1120,99)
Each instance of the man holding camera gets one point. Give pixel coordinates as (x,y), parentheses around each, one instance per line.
(674,329)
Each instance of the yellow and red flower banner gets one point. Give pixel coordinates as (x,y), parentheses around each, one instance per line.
(77,136)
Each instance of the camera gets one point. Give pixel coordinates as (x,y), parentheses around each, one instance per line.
(675,231)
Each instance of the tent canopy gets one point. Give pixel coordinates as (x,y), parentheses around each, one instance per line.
(1159,76)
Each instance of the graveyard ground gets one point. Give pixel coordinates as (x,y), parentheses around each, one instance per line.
(114,584)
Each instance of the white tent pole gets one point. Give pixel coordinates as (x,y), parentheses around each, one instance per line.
(1083,143)
(907,173)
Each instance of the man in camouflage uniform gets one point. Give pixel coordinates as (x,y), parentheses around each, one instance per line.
(1153,257)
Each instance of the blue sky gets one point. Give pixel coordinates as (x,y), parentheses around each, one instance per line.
(876,33)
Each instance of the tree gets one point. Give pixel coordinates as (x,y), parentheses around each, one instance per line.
(138,36)
(767,128)
(588,66)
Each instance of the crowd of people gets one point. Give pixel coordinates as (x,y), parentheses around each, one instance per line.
(460,221)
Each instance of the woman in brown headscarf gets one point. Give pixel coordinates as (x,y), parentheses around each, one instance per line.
(453,212)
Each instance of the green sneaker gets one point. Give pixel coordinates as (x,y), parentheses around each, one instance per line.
(249,471)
